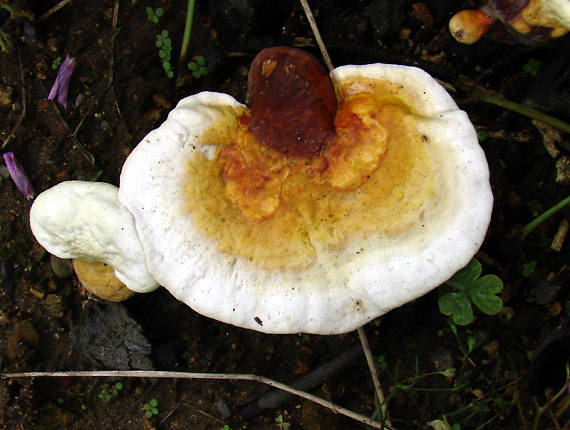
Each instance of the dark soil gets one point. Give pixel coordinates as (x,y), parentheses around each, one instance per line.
(120,91)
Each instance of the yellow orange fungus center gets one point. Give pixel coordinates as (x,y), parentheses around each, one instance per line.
(374,178)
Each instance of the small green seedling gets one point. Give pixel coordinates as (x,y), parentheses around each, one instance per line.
(532,67)
(151,408)
(381,362)
(109,392)
(471,287)
(528,268)
(154,15)
(164,44)
(198,67)
(226,427)
(56,63)
(281,423)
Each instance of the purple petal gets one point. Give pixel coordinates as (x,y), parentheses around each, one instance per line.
(54,89)
(18,175)
(61,85)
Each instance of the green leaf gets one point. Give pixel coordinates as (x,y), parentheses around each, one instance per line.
(193,66)
(529,268)
(164,33)
(148,414)
(471,342)
(483,294)
(155,19)
(154,403)
(149,11)
(466,276)
(439,425)
(158,43)
(159,12)
(170,74)
(200,60)
(457,305)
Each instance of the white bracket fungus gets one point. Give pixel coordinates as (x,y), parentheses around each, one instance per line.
(341,237)
(84,220)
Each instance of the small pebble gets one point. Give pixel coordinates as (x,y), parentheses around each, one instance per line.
(223,408)
(61,267)
(55,305)
(5,97)
(22,341)
(442,359)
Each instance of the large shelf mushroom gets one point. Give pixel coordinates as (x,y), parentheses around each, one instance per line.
(330,202)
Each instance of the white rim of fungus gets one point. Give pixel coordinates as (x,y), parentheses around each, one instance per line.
(78,219)
(559,10)
(343,290)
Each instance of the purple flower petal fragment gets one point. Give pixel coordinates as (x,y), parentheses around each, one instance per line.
(18,175)
(61,84)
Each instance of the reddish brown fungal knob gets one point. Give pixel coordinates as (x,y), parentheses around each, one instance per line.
(469,26)
(293,102)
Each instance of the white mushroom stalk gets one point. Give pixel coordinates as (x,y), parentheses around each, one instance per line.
(77,219)
(318,239)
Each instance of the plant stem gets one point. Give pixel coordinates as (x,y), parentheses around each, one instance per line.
(187,33)
(53,10)
(487,97)
(527,229)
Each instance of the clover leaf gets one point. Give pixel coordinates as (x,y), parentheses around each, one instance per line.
(457,305)
(468,287)
(483,294)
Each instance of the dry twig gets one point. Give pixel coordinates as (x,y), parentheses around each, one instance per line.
(316,32)
(23,114)
(192,375)
(53,10)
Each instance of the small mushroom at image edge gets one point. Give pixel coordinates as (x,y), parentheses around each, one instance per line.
(525,21)
(330,200)
(85,221)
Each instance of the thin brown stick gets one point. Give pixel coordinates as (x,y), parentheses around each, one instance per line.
(73,135)
(361,333)
(320,42)
(374,373)
(23,114)
(53,10)
(112,59)
(191,375)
